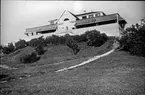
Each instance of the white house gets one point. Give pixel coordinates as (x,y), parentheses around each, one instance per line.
(76,24)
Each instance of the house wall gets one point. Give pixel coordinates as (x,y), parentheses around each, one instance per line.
(109,29)
(66,25)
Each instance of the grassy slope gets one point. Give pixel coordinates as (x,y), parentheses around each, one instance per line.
(116,74)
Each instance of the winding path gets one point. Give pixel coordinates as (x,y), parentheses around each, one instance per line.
(115,46)
(88,61)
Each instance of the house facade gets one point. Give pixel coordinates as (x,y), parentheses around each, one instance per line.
(76,24)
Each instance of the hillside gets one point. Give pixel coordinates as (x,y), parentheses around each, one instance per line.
(116,74)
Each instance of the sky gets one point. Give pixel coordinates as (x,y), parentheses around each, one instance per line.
(16,16)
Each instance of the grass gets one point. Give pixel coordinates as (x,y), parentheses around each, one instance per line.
(116,74)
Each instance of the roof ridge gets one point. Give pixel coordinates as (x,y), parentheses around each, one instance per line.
(88,13)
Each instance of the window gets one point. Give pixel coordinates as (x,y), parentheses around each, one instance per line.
(27,34)
(51,22)
(83,17)
(73,28)
(101,14)
(90,16)
(96,15)
(66,19)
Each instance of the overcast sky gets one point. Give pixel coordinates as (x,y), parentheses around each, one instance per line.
(16,16)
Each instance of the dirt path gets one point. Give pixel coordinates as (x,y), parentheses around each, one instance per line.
(88,61)
(115,46)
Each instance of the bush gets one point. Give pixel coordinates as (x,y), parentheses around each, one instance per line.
(95,38)
(30,58)
(34,56)
(72,44)
(8,49)
(57,40)
(37,41)
(80,38)
(1,47)
(133,40)
(40,50)
(20,44)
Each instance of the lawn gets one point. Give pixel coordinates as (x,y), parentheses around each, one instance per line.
(116,74)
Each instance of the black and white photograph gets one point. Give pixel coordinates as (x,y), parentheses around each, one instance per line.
(72,47)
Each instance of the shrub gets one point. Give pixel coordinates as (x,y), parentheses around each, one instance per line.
(20,44)
(33,57)
(56,40)
(95,38)
(1,47)
(72,44)
(8,49)
(40,50)
(133,40)
(37,41)
(80,38)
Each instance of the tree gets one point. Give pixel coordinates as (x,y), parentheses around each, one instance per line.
(1,47)
(20,44)
(72,44)
(133,39)
(30,58)
(40,50)
(8,49)
(37,41)
(95,38)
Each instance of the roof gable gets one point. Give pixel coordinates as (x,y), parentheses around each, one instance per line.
(68,15)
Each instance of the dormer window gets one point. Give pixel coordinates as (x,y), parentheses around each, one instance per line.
(66,19)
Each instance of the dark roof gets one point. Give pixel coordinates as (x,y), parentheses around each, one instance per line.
(100,19)
(89,13)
